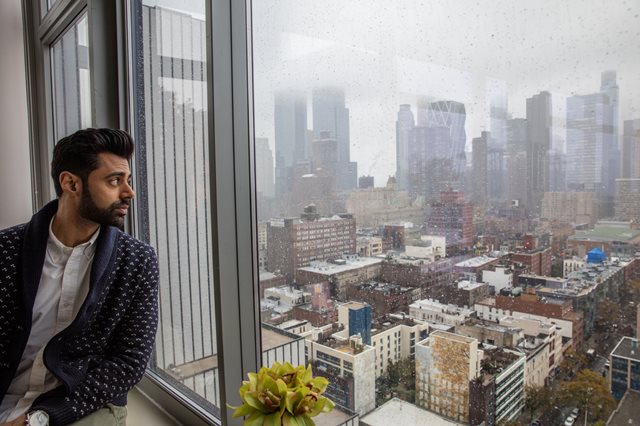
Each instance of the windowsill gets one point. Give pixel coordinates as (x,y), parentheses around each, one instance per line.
(142,411)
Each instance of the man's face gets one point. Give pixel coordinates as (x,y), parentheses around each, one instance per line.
(107,193)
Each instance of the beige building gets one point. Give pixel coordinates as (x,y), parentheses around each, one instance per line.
(445,364)
(373,207)
(574,264)
(572,207)
(439,313)
(347,365)
(369,246)
(542,344)
(628,200)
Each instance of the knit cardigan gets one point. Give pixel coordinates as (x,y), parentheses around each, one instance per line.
(103,353)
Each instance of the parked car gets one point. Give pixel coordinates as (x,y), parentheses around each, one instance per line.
(574,413)
(569,421)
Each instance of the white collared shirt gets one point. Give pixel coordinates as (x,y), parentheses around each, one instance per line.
(64,285)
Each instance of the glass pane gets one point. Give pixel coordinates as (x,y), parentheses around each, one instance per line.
(173,191)
(71,80)
(447,192)
(45,5)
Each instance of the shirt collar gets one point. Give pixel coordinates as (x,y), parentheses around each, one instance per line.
(88,247)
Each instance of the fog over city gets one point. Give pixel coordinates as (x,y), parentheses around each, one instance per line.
(387,53)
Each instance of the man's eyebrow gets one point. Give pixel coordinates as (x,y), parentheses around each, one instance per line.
(119,174)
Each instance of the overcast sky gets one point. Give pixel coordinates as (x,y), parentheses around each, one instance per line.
(388,52)
(385,53)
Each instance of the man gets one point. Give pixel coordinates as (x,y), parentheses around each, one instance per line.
(78,297)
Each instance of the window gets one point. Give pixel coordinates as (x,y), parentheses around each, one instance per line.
(172,168)
(470,117)
(71,82)
(481,125)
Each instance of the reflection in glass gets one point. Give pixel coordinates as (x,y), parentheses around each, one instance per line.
(71,80)
(173,191)
(462,171)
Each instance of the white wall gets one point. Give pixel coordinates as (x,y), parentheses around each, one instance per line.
(15,176)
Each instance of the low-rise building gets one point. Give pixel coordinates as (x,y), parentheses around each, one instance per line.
(570,323)
(573,264)
(540,335)
(394,339)
(491,333)
(475,266)
(399,412)
(498,279)
(429,277)
(385,298)
(439,313)
(624,364)
(463,293)
(341,273)
(347,366)
(445,364)
(587,287)
(613,238)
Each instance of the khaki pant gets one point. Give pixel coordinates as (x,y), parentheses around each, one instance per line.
(111,415)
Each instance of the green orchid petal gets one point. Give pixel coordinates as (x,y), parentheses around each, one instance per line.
(251,399)
(243,410)
(256,419)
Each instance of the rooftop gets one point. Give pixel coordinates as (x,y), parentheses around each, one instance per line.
(628,411)
(384,288)
(628,347)
(398,412)
(475,262)
(497,360)
(443,308)
(607,233)
(327,268)
(387,322)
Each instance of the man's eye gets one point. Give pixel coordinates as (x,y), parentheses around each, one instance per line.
(114,181)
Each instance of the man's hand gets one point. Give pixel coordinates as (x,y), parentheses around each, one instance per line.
(20,421)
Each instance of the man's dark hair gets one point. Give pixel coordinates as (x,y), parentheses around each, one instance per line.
(78,152)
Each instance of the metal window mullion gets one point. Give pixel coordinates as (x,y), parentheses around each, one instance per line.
(233,200)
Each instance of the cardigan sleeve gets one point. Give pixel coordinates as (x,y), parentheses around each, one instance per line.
(123,366)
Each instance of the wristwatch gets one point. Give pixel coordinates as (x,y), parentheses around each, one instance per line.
(37,418)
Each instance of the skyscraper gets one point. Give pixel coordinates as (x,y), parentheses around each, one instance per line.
(516,160)
(539,124)
(404,127)
(630,167)
(479,154)
(430,170)
(290,137)
(452,115)
(592,152)
(264,167)
(331,115)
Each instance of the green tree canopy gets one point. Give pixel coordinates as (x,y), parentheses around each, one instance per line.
(591,391)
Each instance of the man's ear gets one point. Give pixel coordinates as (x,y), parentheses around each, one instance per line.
(70,183)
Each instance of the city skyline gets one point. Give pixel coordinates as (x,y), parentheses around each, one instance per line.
(407,54)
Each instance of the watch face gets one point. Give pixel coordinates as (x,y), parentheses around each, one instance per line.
(38,418)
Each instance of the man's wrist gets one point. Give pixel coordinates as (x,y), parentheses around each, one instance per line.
(37,418)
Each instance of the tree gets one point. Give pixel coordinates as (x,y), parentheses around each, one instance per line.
(608,313)
(537,399)
(589,391)
(572,362)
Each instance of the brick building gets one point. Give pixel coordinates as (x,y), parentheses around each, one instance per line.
(341,274)
(537,261)
(293,243)
(383,297)
(451,217)
(429,277)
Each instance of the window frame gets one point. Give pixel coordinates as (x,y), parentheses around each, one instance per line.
(112,67)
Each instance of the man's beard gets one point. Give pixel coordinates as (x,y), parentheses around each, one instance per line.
(90,211)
